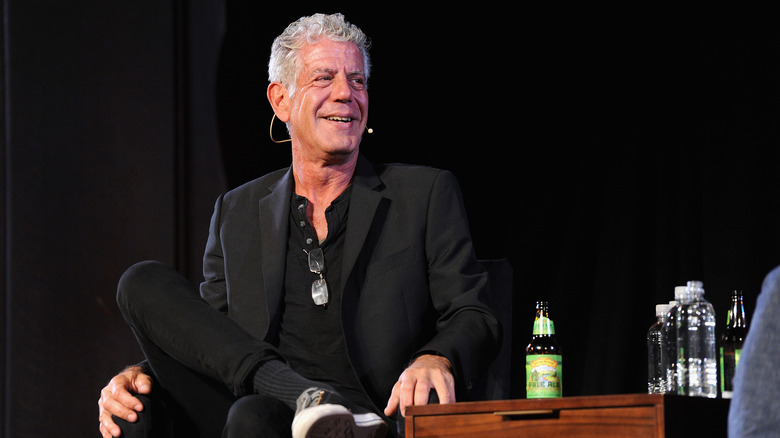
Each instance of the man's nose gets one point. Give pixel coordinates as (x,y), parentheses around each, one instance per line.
(342,91)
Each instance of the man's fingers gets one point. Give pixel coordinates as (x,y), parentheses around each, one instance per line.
(408,387)
(422,392)
(117,399)
(122,387)
(128,402)
(445,388)
(107,426)
(142,384)
(403,395)
(392,403)
(415,383)
(111,405)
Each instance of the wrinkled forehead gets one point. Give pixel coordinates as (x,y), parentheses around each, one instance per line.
(328,55)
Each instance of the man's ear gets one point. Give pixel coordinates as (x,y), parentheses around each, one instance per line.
(280,101)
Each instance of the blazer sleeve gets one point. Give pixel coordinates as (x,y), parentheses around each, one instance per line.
(467,333)
(213,288)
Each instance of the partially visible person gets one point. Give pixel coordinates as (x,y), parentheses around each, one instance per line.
(336,292)
(755,404)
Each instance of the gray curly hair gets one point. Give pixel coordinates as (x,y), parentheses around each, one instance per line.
(284,64)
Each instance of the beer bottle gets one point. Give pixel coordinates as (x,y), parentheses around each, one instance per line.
(731,342)
(543,361)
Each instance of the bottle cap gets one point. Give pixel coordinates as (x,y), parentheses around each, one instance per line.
(679,292)
(693,284)
(695,287)
(661,309)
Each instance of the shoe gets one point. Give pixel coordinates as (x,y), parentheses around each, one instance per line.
(314,419)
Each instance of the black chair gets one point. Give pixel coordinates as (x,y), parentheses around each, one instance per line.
(496,384)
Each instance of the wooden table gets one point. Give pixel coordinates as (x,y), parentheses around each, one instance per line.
(603,416)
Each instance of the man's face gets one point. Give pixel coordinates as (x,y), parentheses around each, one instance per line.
(330,107)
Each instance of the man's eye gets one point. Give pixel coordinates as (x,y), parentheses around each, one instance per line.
(359,82)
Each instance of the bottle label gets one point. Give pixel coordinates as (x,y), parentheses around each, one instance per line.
(543,326)
(544,375)
(729,359)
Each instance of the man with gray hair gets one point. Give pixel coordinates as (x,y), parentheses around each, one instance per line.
(336,292)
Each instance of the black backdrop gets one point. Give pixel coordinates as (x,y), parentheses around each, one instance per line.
(609,154)
(610,159)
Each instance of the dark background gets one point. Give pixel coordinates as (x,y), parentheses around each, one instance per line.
(609,154)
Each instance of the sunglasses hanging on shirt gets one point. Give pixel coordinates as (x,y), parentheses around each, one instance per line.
(319,288)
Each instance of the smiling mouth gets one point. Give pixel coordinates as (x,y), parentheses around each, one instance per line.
(340,119)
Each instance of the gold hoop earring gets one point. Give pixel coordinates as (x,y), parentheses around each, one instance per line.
(271,132)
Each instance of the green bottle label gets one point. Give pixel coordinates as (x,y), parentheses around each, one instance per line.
(543,326)
(728,363)
(544,375)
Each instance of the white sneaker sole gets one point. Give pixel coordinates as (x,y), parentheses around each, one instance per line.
(336,421)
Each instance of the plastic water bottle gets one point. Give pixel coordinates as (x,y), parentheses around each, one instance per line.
(671,340)
(657,352)
(697,362)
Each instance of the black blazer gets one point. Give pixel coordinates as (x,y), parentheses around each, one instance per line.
(413,283)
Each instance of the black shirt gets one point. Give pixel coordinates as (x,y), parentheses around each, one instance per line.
(311,337)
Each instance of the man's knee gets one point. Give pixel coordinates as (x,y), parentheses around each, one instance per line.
(138,281)
(258,415)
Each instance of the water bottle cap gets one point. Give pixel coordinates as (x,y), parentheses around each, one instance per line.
(679,292)
(661,309)
(695,286)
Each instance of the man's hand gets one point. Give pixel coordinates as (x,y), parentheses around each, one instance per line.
(117,399)
(413,387)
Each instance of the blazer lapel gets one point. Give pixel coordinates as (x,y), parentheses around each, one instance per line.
(364,207)
(274,222)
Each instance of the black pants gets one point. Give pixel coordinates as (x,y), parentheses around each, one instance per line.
(200,358)
(248,416)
